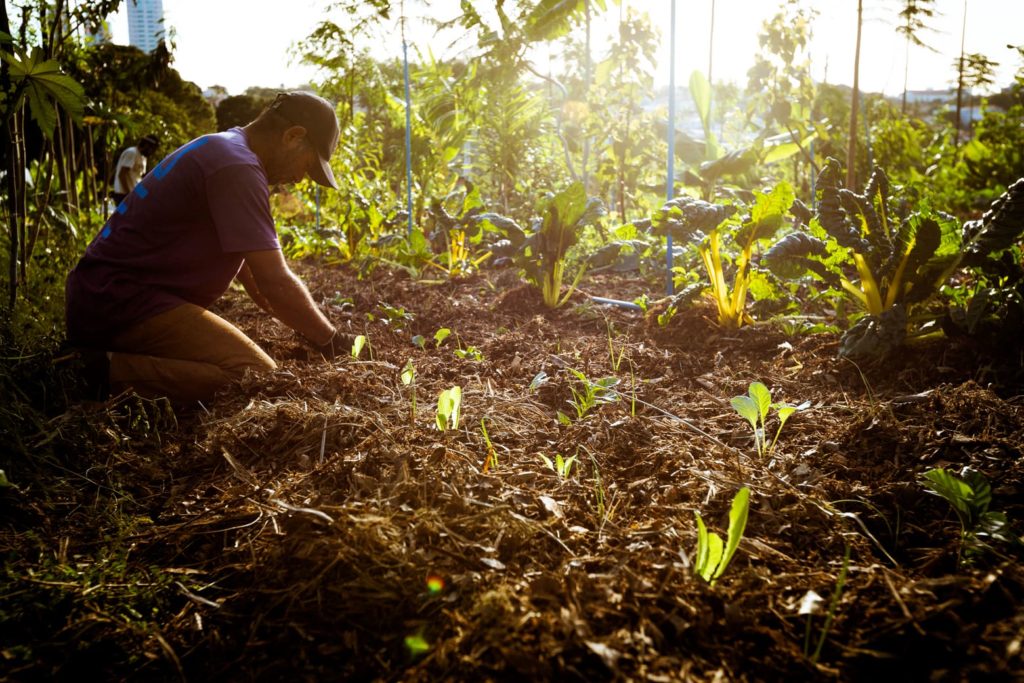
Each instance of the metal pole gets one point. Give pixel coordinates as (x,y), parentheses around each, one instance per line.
(408,130)
(671,171)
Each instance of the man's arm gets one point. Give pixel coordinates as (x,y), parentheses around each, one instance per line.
(245,277)
(124,174)
(287,296)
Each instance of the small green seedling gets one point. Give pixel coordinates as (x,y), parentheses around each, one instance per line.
(395,316)
(449,407)
(756,406)
(593,393)
(560,466)
(358,344)
(420,341)
(970,497)
(712,555)
(440,336)
(409,379)
(615,358)
(491,461)
(469,353)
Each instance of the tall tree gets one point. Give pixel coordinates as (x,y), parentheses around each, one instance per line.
(913,17)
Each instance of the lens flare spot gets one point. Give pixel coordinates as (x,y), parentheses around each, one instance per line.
(435,584)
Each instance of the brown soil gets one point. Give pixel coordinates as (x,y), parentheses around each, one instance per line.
(316,528)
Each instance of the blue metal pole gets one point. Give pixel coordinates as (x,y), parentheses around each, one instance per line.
(408,136)
(671,172)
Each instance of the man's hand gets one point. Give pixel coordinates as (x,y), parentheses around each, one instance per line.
(339,344)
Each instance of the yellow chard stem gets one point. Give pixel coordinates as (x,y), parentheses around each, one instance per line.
(872,297)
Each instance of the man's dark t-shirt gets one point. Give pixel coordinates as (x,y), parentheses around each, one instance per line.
(177,238)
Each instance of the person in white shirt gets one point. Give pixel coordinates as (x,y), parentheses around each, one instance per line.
(131,166)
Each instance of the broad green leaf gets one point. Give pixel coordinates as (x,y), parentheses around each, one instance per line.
(700,91)
(767,214)
(746,407)
(762,398)
(449,405)
(956,491)
(442,334)
(737,525)
(45,86)
(781,152)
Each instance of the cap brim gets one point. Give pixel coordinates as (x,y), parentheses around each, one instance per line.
(322,174)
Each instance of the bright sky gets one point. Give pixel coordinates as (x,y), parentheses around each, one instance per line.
(241,43)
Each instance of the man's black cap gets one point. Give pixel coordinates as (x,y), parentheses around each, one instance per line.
(316,115)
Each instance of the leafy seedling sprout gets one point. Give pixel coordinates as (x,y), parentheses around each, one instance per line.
(970,498)
(409,379)
(358,344)
(712,555)
(560,466)
(449,407)
(755,408)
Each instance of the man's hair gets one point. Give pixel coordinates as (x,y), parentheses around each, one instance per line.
(149,140)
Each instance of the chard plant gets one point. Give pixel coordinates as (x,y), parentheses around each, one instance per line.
(459,231)
(712,555)
(970,497)
(859,246)
(710,226)
(449,409)
(755,407)
(543,253)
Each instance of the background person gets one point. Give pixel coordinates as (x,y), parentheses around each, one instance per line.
(131,166)
(137,299)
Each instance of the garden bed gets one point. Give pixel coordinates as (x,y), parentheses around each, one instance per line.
(311,526)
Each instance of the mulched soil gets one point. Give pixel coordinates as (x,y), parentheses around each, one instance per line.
(310,525)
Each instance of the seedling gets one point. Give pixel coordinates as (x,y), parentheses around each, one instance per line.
(592,393)
(439,336)
(409,380)
(469,353)
(491,461)
(616,359)
(756,406)
(560,466)
(449,407)
(970,497)
(712,555)
(395,316)
(810,602)
(357,345)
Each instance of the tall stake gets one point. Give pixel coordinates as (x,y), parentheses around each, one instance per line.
(670,189)
(851,151)
(960,79)
(408,125)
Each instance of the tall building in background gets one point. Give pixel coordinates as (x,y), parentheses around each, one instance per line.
(145,23)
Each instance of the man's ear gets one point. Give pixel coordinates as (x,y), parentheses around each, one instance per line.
(293,134)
